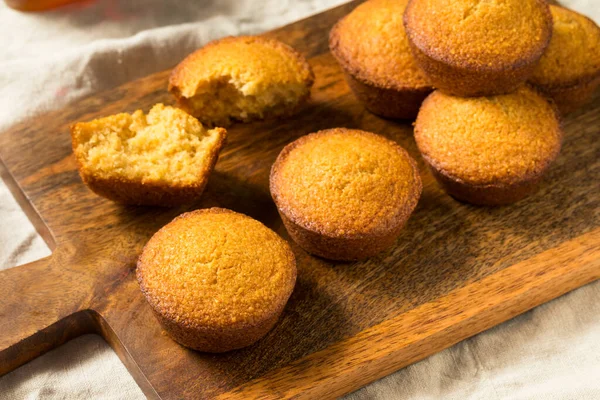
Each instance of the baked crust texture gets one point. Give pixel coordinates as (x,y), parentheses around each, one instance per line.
(344,194)
(473,48)
(372,48)
(489,150)
(216,280)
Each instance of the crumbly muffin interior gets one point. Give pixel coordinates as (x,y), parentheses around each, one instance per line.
(573,53)
(488,140)
(221,100)
(166,145)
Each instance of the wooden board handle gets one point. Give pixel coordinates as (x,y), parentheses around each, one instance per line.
(46,312)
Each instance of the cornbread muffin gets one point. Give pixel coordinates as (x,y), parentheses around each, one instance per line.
(569,70)
(215,279)
(163,158)
(344,194)
(371,46)
(241,78)
(477,48)
(488,150)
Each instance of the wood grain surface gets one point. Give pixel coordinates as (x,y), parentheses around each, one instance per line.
(456,269)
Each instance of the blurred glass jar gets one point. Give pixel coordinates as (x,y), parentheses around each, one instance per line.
(37,5)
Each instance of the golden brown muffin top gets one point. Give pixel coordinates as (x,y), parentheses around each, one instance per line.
(345,183)
(371,43)
(573,55)
(215,267)
(484,34)
(253,64)
(488,140)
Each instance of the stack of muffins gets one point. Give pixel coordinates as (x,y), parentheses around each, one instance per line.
(487,135)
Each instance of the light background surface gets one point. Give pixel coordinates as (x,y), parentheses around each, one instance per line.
(51,59)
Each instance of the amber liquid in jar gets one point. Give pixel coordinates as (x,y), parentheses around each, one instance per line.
(37,5)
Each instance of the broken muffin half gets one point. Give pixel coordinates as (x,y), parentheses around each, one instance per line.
(163,158)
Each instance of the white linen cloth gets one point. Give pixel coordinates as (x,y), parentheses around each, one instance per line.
(48,60)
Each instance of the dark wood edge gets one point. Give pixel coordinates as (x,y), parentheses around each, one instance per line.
(28,208)
(350,364)
(60,332)
(105,330)
(28,328)
(77,324)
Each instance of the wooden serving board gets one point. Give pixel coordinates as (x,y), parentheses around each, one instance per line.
(455,271)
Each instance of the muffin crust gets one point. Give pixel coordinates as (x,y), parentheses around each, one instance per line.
(344,194)
(488,150)
(475,47)
(241,78)
(569,70)
(216,280)
(371,46)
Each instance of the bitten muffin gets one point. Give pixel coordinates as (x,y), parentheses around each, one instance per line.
(569,70)
(371,46)
(344,194)
(477,48)
(163,158)
(488,150)
(215,279)
(243,79)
